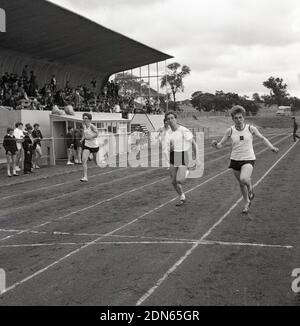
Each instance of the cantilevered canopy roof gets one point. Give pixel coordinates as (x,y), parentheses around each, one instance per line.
(46,31)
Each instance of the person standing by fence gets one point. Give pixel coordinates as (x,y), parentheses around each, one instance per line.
(295,128)
(37,136)
(28,145)
(10,146)
(19,135)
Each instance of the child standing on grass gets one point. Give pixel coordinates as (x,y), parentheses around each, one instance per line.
(10,146)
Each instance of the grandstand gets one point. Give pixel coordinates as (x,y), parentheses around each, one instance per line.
(54,41)
(51,41)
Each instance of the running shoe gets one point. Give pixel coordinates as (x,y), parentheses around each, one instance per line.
(181,202)
(246,208)
(84,180)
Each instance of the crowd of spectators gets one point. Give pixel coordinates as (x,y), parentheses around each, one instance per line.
(23,92)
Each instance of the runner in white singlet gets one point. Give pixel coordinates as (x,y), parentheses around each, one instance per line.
(179,142)
(89,141)
(242,157)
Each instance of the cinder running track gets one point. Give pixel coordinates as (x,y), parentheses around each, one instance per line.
(120,240)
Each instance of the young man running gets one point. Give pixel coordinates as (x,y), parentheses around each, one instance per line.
(179,142)
(242,153)
(90,143)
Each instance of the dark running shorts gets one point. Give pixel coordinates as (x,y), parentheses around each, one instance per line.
(11,153)
(91,149)
(179,158)
(237,165)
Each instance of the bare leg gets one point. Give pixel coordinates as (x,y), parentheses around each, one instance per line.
(243,187)
(8,159)
(173,174)
(245,176)
(70,154)
(13,159)
(38,155)
(85,156)
(80,155)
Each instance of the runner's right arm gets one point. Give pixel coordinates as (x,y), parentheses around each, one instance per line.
(223,140)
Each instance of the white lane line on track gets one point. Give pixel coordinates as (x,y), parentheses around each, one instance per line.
(190,251)
(85,208)
(150,239)
(115,197)
(51,186)
(92,242)
(104,183)
(60,196)
(12,287)
(98,174)
(221,243)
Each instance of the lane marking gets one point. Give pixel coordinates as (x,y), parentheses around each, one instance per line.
(208,242)
(84,209)
(114,231)
(101,184)
(190,251)
(92,242)
(76,191)
(109,199)
(98,174)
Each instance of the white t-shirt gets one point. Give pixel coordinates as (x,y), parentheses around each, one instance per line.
(18,133)
(88,132)
(179,140)
(242,144)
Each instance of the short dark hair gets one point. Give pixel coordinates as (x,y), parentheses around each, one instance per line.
(28,126)
(237,109)
(18,124)
(88,115)
(9,129)
(70,127)
(169,113)
(36,125)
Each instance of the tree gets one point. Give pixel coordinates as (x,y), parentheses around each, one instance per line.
(256,98)
(203,101)
(221,101)
(294,102)
(174,78)
(278,91)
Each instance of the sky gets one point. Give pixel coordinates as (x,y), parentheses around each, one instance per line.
(229,45)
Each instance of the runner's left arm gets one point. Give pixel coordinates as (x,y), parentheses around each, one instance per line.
(255,132)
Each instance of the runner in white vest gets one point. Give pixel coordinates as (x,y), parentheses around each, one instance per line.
(179,142)
(89,141)
(242,157)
